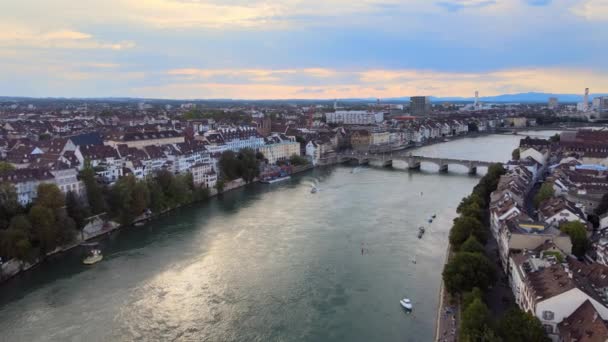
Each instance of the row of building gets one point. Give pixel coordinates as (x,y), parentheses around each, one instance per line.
(568,296)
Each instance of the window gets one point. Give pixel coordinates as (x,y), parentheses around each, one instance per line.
(548,315)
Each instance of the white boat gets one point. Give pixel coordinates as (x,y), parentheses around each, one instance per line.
(94,258)
(313,190)
(406,303)
(275,180)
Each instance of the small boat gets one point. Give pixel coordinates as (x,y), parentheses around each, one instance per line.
(430,220)
(93,258)
(434,215)
(420,233)
(313,190)
(275,180)
(406,303)
(421,228)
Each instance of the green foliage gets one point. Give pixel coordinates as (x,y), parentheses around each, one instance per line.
(6,167)
(555,138)
(9,205)
(216,114)
(544,193)
(465,226)
(49,196)
(475,325)
(578,235)
(219,186)
(515,155)
(76,210)
(469,297)
(95,196)
(466,271)
(471,245)
(242,165)
(44,137)
(44,229)
(297,160)
(15,242)
(516,325)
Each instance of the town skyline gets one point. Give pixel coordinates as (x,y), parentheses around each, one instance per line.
(288,50)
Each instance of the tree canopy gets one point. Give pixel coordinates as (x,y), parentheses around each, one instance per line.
(545,192)
(471,245)
(578,235)
(516,325)
(476,323)
(515,155)
(468,270)
(465,226)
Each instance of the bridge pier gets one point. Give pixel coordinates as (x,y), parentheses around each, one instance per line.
(472,170)
(414,165)
(443,168)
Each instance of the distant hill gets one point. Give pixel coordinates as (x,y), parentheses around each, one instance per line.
(532,97)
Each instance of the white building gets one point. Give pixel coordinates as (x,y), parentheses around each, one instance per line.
(354,117)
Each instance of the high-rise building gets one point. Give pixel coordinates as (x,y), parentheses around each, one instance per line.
(553,102)
(586,100)
(603,107)
(420,105)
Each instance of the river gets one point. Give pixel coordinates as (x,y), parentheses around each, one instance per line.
(264,263)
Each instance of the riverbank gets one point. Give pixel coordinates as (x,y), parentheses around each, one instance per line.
(12,268)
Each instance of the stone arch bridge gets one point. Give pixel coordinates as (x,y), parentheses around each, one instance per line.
(413,161)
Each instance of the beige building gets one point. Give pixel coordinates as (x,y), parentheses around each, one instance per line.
(380,138)
(279,147)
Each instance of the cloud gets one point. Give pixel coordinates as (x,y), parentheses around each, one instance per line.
(456,5)
(593,10)
(15,35)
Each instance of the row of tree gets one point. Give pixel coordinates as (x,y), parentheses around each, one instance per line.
(39,228)
(54,219)
(469,272)
(244,164)
(513,326)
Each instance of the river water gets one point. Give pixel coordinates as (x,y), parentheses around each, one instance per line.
(264,263)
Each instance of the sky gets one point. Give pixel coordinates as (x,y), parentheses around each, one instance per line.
(281,49)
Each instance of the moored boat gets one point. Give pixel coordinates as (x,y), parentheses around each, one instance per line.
(274,180)
(93,258)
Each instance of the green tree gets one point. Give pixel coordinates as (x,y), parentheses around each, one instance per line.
(475,325)
(468,270)
(94,191)
(76,210)
(229,165)
(6,167)
(44,231)
(515,155)
(516,325)
(465,226)
(544,193)
(297,160)
(602,208)
(158,202)
(140,198)
(469,297)
(472,199)
(555,138)
(49,196)
(219,186)
(9,205)
(471,245)
(578,235)
(249,167)
(15,242)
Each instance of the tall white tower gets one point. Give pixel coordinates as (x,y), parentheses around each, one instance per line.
(586,100)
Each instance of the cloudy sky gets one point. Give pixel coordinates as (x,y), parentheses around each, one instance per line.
(301,48)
